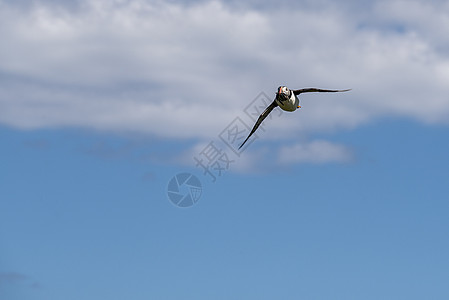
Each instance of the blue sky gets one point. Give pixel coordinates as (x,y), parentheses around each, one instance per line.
(103,102)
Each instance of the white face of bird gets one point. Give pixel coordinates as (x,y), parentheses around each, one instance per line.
(283,93)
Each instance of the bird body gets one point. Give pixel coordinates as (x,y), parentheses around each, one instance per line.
(290,101)
(287,100)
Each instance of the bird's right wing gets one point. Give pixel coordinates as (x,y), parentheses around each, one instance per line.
(260,120)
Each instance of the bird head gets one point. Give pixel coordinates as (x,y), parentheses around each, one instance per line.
(283,93)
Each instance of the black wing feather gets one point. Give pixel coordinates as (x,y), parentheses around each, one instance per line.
(260,120)
(309,90)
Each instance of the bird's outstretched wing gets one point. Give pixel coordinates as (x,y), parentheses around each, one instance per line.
(309,90)
(260,120)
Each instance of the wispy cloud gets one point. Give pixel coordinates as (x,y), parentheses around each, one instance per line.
(273,159)
(184,70)
(319,151)
(13,278)
(270,158)
(9,277)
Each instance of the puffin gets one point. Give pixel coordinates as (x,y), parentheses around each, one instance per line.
(287,100)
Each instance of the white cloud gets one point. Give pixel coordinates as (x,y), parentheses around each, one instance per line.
(185,71)
(318,151)
(266,158)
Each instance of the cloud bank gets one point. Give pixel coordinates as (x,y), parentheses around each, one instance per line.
(184,70)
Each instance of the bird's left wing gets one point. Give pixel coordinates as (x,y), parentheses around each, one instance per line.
(260,120)
(310,90)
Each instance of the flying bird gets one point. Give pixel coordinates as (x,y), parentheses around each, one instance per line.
(287,100)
